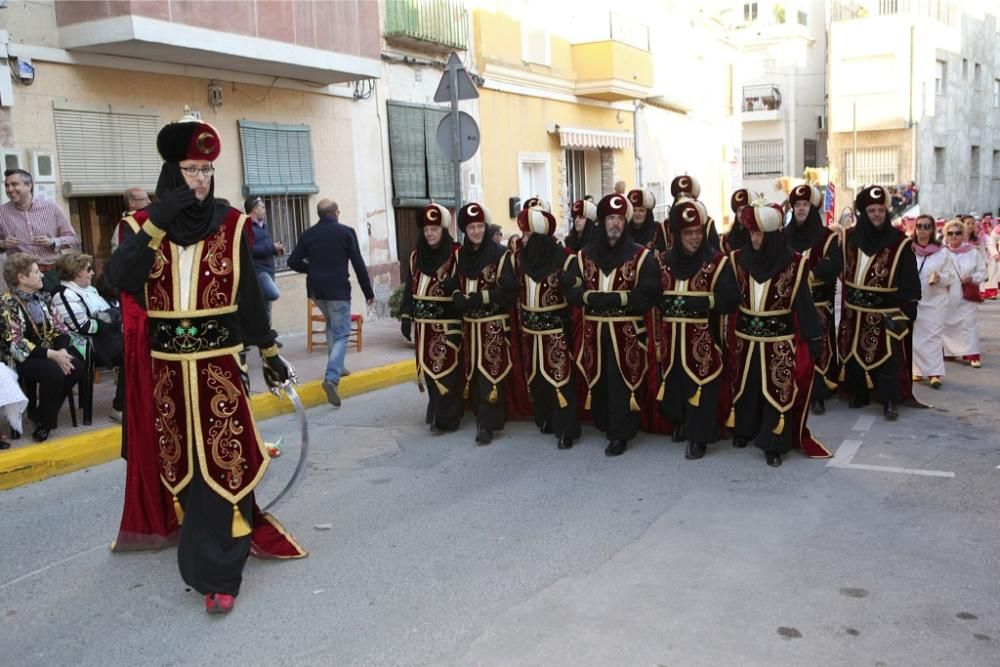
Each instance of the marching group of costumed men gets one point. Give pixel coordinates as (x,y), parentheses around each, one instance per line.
(664,327)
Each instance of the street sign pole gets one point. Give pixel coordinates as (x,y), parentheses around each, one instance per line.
(456,136)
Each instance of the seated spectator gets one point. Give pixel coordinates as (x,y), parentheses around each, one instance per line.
(37,341)
(12,400)
(90,318)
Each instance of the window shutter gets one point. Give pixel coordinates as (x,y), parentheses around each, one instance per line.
(406,150)
(440,177)
(103,153)
(277,159)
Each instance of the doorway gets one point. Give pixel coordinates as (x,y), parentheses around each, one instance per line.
(99,217)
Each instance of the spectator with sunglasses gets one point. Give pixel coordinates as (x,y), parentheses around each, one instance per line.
(961,336)
(937,273)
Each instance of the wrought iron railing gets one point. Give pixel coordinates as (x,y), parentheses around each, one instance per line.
(764,97)
(945,11)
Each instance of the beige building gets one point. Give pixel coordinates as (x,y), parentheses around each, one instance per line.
(915,95)
(91,83)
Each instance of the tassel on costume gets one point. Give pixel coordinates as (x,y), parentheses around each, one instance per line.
(465,392)
(843,373)
(179,511)
(696,399)
(780,428)
(562,399)
(663,390)
(632,404)
(420,382)
(868,381)
(731,419)
(240,527)
(830,384)
(443,390)
(586,404)
(494,395)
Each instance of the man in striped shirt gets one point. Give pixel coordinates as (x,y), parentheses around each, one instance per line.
(36,226)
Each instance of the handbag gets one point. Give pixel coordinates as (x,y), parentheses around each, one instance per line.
(109,341)
(970,292)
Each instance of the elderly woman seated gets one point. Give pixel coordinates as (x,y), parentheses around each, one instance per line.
(37,341)
(90,319)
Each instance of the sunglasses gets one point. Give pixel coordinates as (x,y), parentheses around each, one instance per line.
(926,225)
(955,233)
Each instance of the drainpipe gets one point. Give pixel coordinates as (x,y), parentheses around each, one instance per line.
(635,143)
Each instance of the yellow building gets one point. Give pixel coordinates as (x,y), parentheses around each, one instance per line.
(556,116)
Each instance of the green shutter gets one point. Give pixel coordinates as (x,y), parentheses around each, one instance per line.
(277,159)
(406,150)
(440,177)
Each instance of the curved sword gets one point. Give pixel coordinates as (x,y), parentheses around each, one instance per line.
(300,410)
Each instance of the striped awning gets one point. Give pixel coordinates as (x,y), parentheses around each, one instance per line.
(577,137)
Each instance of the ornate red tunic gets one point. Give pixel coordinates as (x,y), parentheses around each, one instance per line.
(486,347)
(202,413)
(627,331)
(700,356)
(437,337)
(544,339)
(765,322)
(869,296)
(823,294)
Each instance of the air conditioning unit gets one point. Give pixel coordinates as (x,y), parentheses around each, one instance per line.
(820,122)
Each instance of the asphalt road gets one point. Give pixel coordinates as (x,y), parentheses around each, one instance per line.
(430,550)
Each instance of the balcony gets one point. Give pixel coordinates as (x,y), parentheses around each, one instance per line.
(427,25)
(761,103)
(612,71)
(294,40)
(943,11)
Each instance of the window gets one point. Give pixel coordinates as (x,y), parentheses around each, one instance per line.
(533,176)
(762,158)
(102,152)
(809,153)
(996,165)
(287,217)
(277,159)
(965,69)
(419,171)
(878,165)
(535,47)
(974,162)
(977,79)
(576,174)
(939,164)
(750,11)
(940,77)
(803,18)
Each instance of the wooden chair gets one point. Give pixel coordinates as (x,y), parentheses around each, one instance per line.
(317,336)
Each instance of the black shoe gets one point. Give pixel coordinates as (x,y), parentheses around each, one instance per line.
(4,444)
(565,442)
(818,407)
(890,411)
(773,459)
(859,402)
(695,450)
(484,436)
(740,443)
(680,434)
(546,428)
(41,434)
(615,448)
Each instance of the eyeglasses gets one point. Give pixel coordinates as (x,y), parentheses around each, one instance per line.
(193,171)
(955,233)
(925,226)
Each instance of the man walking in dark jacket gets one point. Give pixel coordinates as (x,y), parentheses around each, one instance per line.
(322,253)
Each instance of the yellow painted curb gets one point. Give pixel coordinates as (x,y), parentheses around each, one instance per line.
(23,465)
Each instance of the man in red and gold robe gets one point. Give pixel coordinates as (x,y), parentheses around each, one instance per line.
(188,263)
(616,281)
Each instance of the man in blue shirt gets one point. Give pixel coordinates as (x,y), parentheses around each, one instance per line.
(322,253)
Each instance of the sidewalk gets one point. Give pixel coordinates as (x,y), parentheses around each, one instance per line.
(386,358)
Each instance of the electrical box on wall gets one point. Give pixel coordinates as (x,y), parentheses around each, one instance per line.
(43,167)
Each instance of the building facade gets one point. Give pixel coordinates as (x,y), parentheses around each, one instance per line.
(915,95)
(91,84)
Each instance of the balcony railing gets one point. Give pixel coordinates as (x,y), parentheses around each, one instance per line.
(765,97)
(945,11)
(436,25)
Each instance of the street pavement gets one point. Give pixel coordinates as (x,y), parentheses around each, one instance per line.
(430,550)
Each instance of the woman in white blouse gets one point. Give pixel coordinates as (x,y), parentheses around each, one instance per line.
(937,273)
(961,337)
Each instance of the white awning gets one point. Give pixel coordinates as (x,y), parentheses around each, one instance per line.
(577,137)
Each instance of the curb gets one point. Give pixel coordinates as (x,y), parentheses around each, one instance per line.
(24,465)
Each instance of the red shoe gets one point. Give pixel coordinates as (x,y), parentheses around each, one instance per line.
(219,603)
